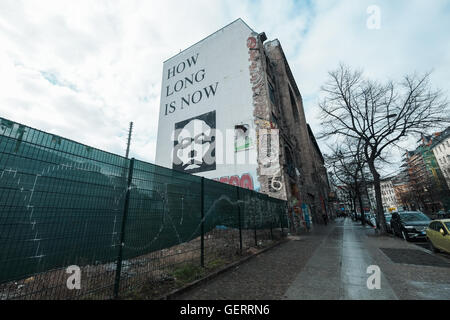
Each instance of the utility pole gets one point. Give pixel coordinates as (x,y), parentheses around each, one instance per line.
(129,139)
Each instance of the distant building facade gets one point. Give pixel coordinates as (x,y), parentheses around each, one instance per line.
(388,195)
(441,151)
(402,190)
(428,187)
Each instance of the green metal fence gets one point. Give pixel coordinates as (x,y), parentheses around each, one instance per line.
(122,222)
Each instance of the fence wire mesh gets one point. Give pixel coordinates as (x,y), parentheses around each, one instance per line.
(126,224)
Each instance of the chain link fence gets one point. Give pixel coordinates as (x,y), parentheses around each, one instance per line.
(127,225)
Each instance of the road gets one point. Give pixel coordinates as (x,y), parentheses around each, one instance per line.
(331,263)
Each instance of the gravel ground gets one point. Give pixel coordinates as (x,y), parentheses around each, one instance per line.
(266,276)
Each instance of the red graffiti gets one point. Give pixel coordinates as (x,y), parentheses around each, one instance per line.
(251,42)
(223,179)
(234,180)
(245,181)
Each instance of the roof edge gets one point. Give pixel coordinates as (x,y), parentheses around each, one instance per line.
(238,19)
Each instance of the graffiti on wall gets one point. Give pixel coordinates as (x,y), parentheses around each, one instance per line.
(245,181)
(194,144)
(242,139)
(267,135)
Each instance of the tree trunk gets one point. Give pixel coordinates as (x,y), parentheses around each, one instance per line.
(365,187)
(358,196)
(381,219)
(355,212)
(363,217)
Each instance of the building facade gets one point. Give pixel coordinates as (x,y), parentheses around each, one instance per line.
(388,196)
(428,187)
(402,191)
(345,201)
(231,110)
(441,151)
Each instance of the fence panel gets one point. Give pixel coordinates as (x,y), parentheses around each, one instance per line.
(162,228)
(221,223)
(60,205)
(63,204)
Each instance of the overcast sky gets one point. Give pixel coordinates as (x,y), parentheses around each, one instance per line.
(85,69)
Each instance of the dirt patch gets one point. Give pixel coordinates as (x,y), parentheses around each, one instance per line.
(145,277)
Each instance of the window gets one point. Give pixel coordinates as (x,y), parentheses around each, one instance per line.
(294,106)
(271,92)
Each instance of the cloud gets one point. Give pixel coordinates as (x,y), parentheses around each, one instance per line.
(85,69)
(410,39)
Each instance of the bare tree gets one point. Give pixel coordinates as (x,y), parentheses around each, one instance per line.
(379,114)
(347,162)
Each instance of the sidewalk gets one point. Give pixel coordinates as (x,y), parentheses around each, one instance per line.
(266,276)
(331,263)
(338,269)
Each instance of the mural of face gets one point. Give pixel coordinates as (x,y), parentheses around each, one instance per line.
(193,141)
(194,145)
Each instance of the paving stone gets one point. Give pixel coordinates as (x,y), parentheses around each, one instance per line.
(330,262)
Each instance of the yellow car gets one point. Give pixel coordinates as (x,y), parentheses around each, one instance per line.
(438,235)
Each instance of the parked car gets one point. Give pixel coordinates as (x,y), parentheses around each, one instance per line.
(438,235)
(409,224)
(441,214)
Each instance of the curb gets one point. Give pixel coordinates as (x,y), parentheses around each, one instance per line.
(214,274)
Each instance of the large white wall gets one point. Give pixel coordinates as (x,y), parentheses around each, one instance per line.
(221,61)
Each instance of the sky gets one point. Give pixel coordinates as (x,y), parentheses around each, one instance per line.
(85,69)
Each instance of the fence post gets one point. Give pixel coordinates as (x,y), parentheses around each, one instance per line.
(254,225)
(239,217)
(202,222)
(281,224)
(122,232)
(271,224)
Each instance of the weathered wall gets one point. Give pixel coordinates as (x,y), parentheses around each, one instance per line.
(307,188)
(271,180)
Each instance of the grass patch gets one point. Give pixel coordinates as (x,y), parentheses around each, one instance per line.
(215,263)
(187,273)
